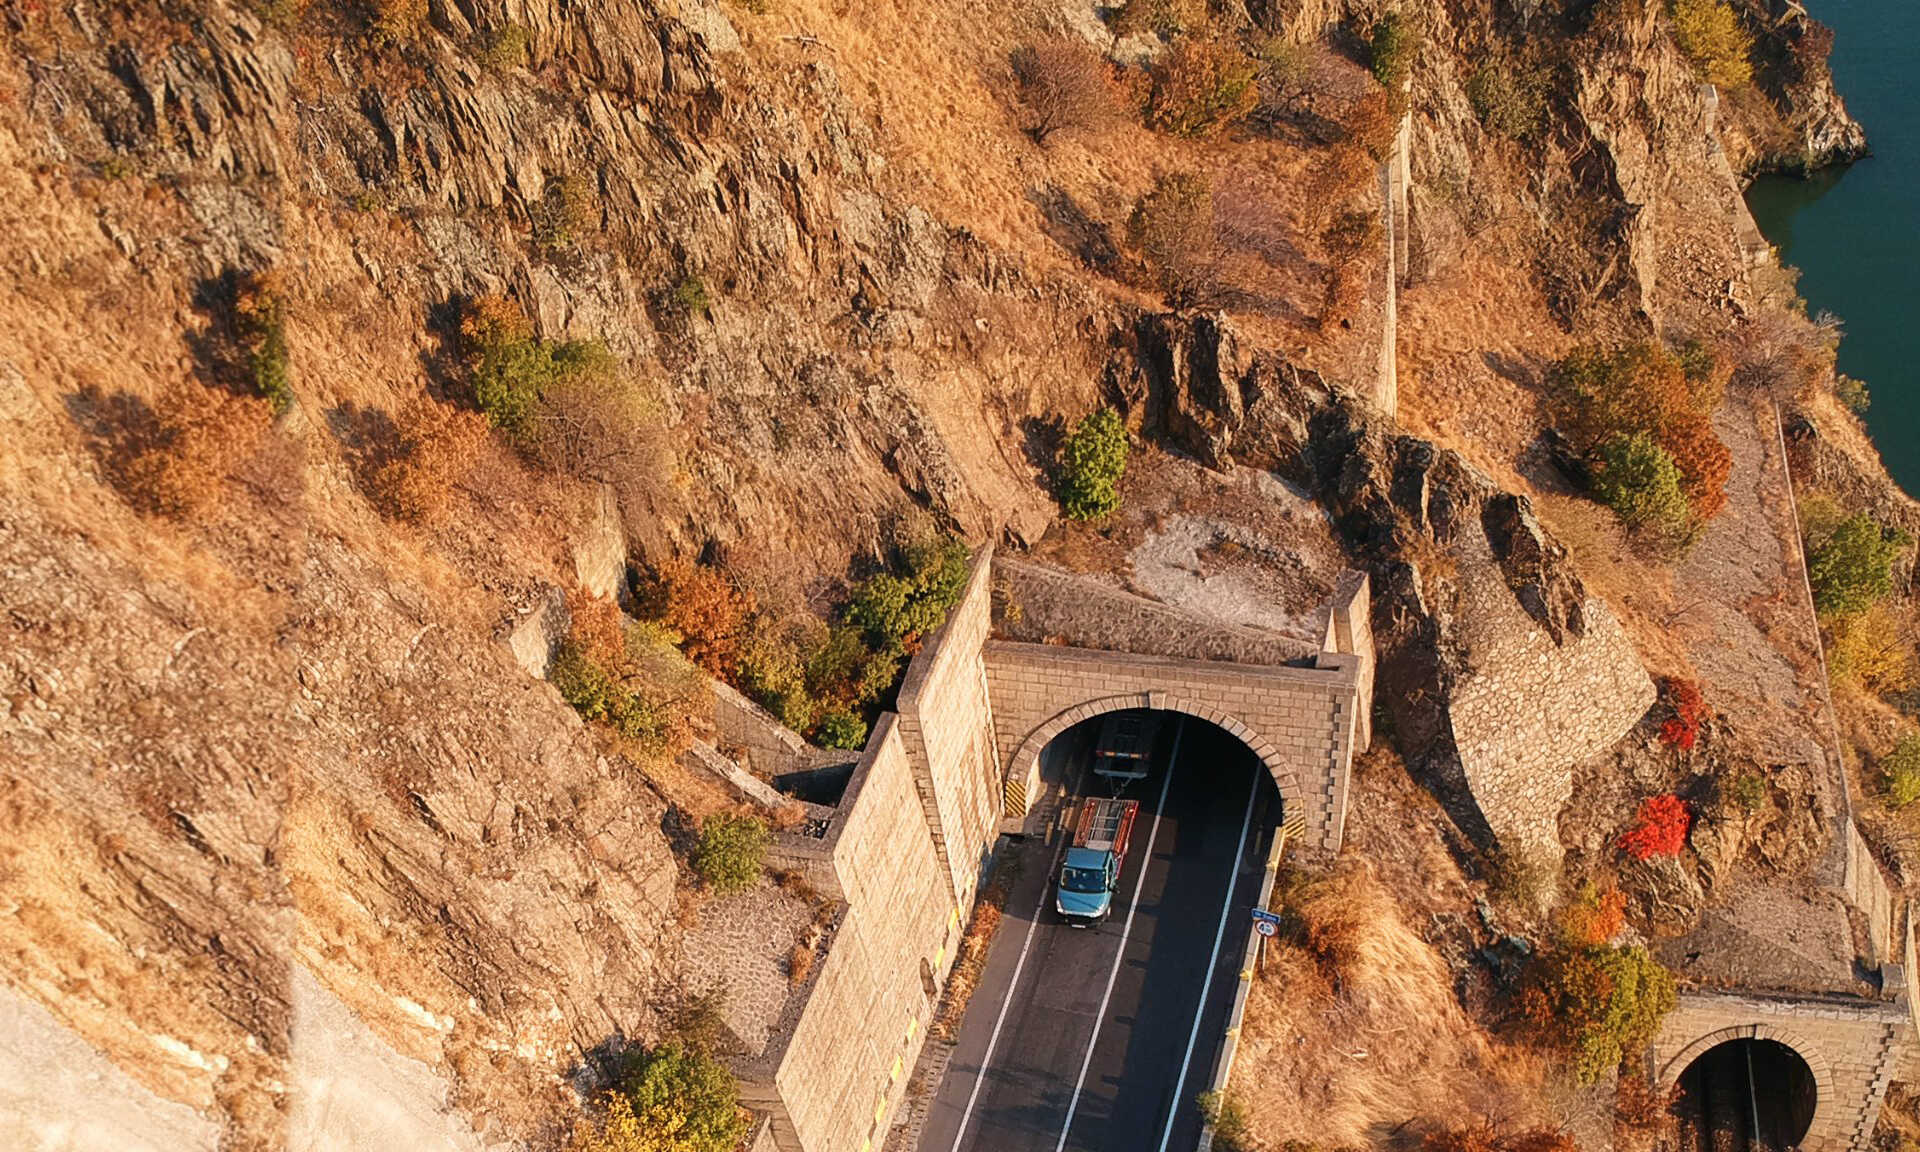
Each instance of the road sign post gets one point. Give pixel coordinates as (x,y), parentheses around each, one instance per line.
(1267,924)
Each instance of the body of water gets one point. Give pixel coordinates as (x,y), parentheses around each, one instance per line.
(1854,233)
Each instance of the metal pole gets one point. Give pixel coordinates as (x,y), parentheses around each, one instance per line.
(1753,1098)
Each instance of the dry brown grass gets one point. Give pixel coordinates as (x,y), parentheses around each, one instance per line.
(1354,1027)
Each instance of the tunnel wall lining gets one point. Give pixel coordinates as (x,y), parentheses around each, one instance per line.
(1851,1048)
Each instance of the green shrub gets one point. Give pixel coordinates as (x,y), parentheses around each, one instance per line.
(1900,771)
(568,212)
(1092,463)
(1853,393)
(260,315)
(731,851)
(898,609)
(840,728)
(1392,49)
(1510,104)
(582,682)
(1710,35)
(392,22)
(505,47)
(1746,791)
(1167,19)
(1596,1004)
(1853,568)
(1641,483)
(689,297)
(517,376)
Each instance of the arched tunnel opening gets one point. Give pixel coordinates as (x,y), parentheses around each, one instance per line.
(1746,1095)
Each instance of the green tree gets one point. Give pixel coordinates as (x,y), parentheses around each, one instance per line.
(897,609)
(731,851)
(1641,483)
(1092,463)
(1853,568)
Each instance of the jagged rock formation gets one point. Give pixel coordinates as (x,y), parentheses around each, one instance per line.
(1501,670)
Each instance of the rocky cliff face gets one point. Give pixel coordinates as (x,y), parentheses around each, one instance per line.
(284,735)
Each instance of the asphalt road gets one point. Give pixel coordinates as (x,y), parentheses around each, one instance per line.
(1084,1033)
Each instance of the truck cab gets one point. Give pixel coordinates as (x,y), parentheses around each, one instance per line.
(1121,752)
(1091,870)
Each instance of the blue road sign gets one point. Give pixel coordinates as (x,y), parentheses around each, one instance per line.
(1262,916)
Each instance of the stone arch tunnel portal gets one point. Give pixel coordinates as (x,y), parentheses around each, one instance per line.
(1747,1094)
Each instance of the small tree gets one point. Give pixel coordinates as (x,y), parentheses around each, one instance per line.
(1065,85)
(1660,829)
(1709,33)
(731,851)
(1853,568)
(1351,241)
(1640,482)
(897,609)
(1201,86)
(200,434)
(700,603)
(1092,462)
(676,1098)
(1873,649)
(437,448)
(1173,229)
(1596,1004)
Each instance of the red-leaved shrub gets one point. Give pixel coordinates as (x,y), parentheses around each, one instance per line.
(1682,729)
(1660,830)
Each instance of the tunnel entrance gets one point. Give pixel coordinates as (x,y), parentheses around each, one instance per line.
(1746,1095)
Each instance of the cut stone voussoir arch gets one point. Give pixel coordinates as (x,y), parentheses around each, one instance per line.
(1816,1061)
(1048,730)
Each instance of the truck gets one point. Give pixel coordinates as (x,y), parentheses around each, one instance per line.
(1122,750)
(1091,869)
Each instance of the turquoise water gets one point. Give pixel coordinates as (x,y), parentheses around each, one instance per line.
(1855,233)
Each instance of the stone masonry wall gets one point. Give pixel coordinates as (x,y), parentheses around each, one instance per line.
(945,722)
(1301,722)
(1527,710)
(841,1072)
(1852,1047)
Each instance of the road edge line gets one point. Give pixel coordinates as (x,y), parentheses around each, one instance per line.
(1013,982)
(1213,960)
(1230,1042)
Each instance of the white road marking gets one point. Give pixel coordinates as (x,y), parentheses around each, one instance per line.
(999,1022)
(1139,883)
(1206,985)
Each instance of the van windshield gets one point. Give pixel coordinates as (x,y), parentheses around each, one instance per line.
(1083,879)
